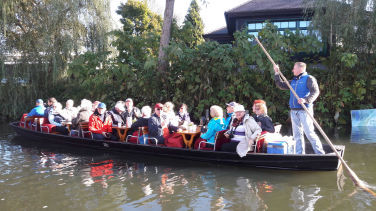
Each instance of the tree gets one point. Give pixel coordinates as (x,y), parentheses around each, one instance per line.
(40,38)
(356,32)
(139,38)
(193,27)
(166,34)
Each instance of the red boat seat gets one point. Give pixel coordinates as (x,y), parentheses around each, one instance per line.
(134,137)
(22,121)
(220,139)
(48,128)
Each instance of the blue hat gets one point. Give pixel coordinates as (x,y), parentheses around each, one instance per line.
(232,104)
(102,105)
(40,101)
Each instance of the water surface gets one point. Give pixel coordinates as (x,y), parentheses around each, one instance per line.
(44,176)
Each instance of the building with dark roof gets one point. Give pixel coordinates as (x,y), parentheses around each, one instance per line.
(285,14)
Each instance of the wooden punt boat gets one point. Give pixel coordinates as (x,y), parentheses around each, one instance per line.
(325,162)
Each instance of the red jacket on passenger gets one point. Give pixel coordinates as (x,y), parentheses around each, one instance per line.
(97,126)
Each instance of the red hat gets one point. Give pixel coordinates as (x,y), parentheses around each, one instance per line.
(259,101)
(158,105)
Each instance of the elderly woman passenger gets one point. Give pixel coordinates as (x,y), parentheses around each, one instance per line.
(261,116)
(56,119)
(183,116)
(69,112)
(169,115)
(141,122)
(83,114)
(217,123)
(243,129)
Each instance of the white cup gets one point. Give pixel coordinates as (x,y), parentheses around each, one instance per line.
(119,124)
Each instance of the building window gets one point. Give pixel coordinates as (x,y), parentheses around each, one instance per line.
(293,26)
(304,24)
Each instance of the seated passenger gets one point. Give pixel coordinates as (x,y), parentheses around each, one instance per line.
(38,110)
(117,114)
(84,113)
(69,112)
(230,114)
(183,117)
(261,116)
(143,121)
(100,123)
(217,123)
(131,113)
(156,124)
(50,101)
(243,129)
(168,114)
(56,119)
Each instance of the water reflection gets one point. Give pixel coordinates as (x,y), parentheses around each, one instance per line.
(363,135)
(85,179)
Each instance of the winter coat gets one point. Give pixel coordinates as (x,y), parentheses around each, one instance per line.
(266,122)
(215,125)
(55,118)
(69,113)
(82,116)
(96,125)
(38,111)
(183,117)
(135,113)
(116,117)
(155,128)
(252,130)
(229,119)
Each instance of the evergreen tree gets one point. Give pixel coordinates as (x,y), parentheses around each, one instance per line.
(139,38)
(193,27)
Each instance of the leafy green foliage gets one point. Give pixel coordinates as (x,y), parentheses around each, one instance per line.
(37,41)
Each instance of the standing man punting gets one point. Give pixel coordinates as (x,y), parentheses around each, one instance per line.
(307,89)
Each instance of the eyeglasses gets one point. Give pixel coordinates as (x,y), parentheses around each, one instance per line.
(158,109)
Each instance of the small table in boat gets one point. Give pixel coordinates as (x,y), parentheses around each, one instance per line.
(186,133)
(122,132)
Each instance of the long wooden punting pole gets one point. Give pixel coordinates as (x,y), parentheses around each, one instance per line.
(353,176)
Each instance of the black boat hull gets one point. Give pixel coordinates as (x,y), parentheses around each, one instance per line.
(277,161)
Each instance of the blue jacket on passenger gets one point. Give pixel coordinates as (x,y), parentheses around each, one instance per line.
(37,111)
(216,124)
(228,120)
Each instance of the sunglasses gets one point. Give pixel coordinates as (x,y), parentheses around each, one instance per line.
(159,109)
